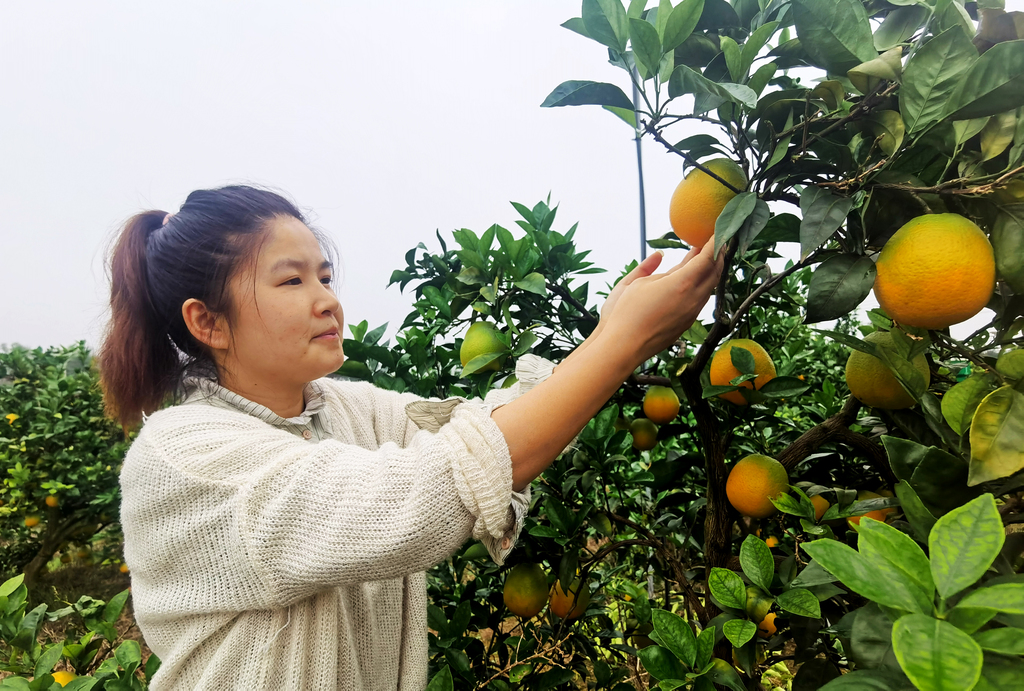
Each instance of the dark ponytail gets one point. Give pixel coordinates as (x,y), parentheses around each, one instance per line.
(154,268)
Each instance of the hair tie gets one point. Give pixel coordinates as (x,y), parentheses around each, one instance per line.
(166,219)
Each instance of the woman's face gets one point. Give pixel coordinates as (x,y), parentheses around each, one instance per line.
(282,308)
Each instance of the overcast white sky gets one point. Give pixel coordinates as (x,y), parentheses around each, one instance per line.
(385,121)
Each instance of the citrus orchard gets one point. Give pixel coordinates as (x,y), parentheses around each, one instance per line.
(935,271)
(482,339)
(872,382)
(661,404)
(752,481)
(526,590)
(723,371)
(698,200)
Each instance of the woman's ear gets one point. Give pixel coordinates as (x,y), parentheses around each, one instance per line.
(206,327)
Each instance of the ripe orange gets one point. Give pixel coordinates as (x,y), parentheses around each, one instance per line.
(752,480)
(124,568)
(526,590)
(723,371)
(872,383)
(661,404)
(772,541)
(482,339)
(699,199)
(937,270)
(766,629)
(32,521)
(63,678)
(878,515)
(820,506)
(52,501)
(561,601)
(645,434)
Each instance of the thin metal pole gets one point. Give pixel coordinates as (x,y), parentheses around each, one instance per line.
(640,171)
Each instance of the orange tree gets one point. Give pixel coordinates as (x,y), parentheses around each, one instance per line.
(59,459)
(894,558)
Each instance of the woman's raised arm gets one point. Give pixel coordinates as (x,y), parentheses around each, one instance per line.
(646,315)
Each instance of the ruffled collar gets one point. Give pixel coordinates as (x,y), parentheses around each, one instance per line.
(200,387)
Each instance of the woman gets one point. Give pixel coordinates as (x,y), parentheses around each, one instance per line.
(278,523)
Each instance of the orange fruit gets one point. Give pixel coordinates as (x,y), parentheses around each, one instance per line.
(645,434)
(820,506)
(63,678)
(699,199)
(52,501)
(935,271)
(124,568)
(32,521)
(661,404)
(723,371)
(561,602)
(878,515)
(83,553)
(751,481)
(482,339)
(526,590)
(772,541)
(872,383)
(766,629)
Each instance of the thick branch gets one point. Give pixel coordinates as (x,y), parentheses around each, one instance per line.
(837,428)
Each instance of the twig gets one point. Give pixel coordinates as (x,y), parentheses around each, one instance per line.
(955,347)
(656,133)
(568,297)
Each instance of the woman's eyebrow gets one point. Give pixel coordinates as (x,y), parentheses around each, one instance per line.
(297,264)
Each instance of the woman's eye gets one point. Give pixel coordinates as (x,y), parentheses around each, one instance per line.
(293,282)
(326,280)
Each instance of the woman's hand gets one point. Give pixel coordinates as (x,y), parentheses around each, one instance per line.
(651,311)
(644,268)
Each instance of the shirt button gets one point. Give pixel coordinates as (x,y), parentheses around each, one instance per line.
(306,434)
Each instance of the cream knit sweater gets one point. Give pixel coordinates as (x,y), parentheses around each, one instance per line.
(268,553)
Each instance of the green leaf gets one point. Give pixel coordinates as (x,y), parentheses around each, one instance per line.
(995,83)
(812,575)
(936,655)
(838,286)
(676,634)
(997,436)
(1000,672)
(918,515)
(1011,364)
(931,76)
(733,59)
(743,360)
(727,588)
(870,680)
(888,66)
(686,81)
(897,556)
(646,45)
(835,34)
(823,213)
(887,127)
(479,362)
(681,23)
(862,576)
(1008,246)
(1005,597)
(800,602)
(938,477)
(732,217)
(756,560)
(724,674)
(754,43)
(753,225)
(739,631)
(705,645)
(962,400)
(899,25)
(46,661)
(533,283)
(964,543)
(1007,640)
(627,115)
(605,21)
(661,663)
(585,93)
(442,681)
